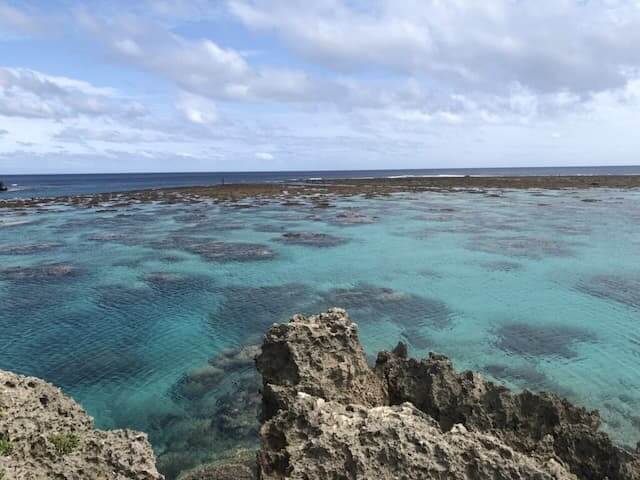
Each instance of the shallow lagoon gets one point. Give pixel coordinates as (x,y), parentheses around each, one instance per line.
(538,289)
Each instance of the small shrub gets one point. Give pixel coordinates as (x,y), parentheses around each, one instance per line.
(6,447)
(65,443)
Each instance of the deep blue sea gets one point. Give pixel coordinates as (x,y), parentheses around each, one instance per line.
(141,312)
(26,186)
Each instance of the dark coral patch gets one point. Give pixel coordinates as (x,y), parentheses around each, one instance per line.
(219,407)
(215,250)
(350,216)
(524,375)
(311,239)
(107,237)
(171,284)
(618,288)
(29,248)
(40,273)
(272,228)
(246,310)
(521,246)
(231,251)
(417,339)
(501,266)
(405,309)
(542,340)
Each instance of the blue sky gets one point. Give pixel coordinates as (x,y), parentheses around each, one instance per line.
(214,85)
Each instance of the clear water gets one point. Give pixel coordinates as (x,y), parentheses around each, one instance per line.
(27,186)
(538,289)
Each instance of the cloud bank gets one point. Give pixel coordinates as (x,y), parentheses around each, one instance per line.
(288,84)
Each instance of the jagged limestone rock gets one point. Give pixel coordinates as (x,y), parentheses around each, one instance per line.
(529,422)
(328,415)
(321,440)
(319,355)
(51,437)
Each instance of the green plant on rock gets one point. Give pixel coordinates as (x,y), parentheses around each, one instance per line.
(65,443)
(6,447)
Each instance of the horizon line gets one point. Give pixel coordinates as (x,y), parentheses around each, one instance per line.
(176,172)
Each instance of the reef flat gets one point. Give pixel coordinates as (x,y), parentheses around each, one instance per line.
(146,312)
(334,187)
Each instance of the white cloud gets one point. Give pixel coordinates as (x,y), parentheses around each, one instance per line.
(201,67)
(544,45)
(327,84)
(32,94)
(264,156)
(197,109)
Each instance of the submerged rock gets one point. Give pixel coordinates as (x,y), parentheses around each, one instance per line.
(47,435)
(219,407)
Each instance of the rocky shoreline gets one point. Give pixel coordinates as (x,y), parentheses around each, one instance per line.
(321,191)
(45,435)
(327,414)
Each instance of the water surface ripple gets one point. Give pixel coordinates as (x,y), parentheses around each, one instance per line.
(144,313)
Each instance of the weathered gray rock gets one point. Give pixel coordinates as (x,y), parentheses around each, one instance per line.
(529,422)
(238,465)
(47,435)
(328,415)
(320,440)
(319,355)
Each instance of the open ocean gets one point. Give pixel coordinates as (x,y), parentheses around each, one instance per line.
(137,311)
(26,186)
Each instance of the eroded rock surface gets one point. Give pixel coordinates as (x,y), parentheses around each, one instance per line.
(320,440)
(45,435)
(541,423)
(319,355)
(328,415)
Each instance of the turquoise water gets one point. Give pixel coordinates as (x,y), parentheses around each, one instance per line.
(537,289)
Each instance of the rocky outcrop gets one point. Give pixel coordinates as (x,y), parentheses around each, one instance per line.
(328,415)
(320,440)
(318,355)
(533,423)
(46,435)
(238,465)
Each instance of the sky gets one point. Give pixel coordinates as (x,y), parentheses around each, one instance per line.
(248,85)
